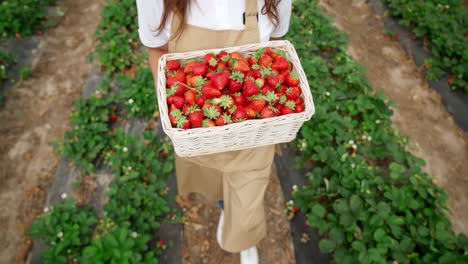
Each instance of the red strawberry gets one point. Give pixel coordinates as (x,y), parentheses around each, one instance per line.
(260,82)
(268,111)
(178,101)
(257,104)
(268,51)
(172,65)
(199,69)
(176,89)
(19,35)
(190,97)
(222,54)
(254,74)
(114,118)
(272,80)
(209,91)
(293,92)
(210,74)
(164,154)
(299,108)
(200,101)
(267,88)
(221,66)
(220,80)
(241,65)
(251,113)
(280,63)
(235,82)
(210,60)
(292,79)
(239,115)
(265,60)
(196,118)
(186,108)
(239,99)
(208,123)
(252,61)
(223,120)
(224,101)
(288,108)
(177,76)
(299,101)
(250,88)
(189,67)
(146,179)
(174,115)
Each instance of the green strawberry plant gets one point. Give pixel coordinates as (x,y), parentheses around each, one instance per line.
(119,244)
(138,94)
(367,196)
(88,138)
(23,17)
(66,228)
(6,60)
(444,24)
(117,34)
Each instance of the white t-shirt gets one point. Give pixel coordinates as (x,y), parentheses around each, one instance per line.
(210,14)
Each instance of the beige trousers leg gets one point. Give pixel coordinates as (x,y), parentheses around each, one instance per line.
(240,179)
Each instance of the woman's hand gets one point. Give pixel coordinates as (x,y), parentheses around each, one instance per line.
(153,55)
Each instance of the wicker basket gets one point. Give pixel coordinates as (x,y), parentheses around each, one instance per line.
(237,136)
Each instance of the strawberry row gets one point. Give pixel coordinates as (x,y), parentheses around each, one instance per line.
(227,88)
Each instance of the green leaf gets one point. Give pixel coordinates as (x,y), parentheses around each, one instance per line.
(319,210)
(355,203)
(327,246)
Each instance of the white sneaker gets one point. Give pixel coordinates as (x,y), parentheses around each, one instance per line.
(219,232)
(249,256)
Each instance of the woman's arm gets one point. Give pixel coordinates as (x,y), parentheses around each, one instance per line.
(153,56)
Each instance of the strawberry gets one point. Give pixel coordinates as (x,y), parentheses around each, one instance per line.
(280,63)
(268,111)
(176,89)
(178,101)
(210,60)
(241,65)
(293,92)
(260,82)
(225,101)
(299,108)
(146,179)
(172,65)
(288,108)
(299,101)
(177,76)
(251,113)
(170,100)
(200,101)
(258,103)
(199,69)
(221,66)
(271,97)
(210,73)
(211,111)
(114,118)
(268,51)
(223,120)
(267,88)
(189,67)
(174,115)
(239,115)
(220,80)
(222,54)
(196,81)
(253,74)
(196,118)
(239,99)
(186,109)
(265,60)
(292,79)
(272,80)
(185,124)
(252,61)
(250,88)
(209,91)
(208,123)
(236,55)
(190,97)
(235,82)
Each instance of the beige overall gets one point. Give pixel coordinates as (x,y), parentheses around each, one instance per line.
(240,177)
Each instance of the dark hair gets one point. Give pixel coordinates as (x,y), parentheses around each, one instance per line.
(180,7)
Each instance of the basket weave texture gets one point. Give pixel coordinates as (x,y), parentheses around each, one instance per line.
(236,136)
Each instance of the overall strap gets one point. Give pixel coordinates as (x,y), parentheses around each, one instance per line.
(251,15)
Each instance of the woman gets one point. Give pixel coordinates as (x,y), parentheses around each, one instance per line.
(239,178)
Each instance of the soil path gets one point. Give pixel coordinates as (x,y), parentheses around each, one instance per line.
(36,112)
(200,245)
(419,114)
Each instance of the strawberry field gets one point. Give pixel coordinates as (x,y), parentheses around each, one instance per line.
(369,198)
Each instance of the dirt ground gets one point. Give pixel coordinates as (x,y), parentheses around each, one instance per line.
(420,114)
(36,112)
(200,245)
